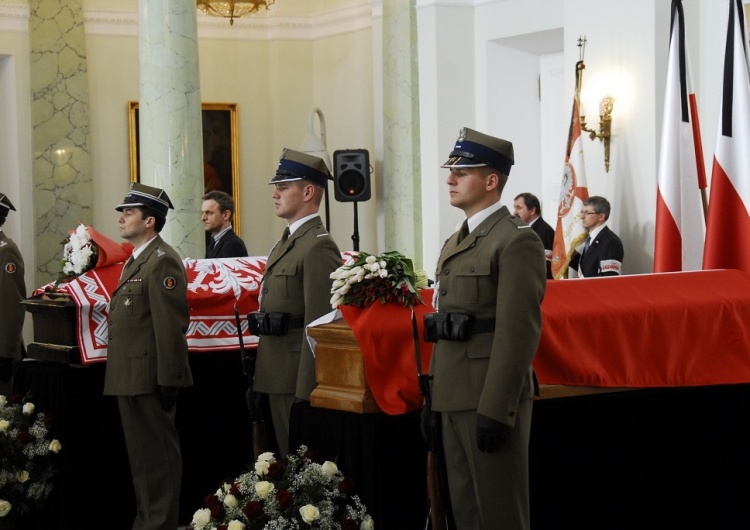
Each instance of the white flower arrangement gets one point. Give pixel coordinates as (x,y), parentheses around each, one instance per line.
(366,278)
(26,457)
(287,494)
(80,254)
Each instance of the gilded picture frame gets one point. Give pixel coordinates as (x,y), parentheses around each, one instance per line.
(220,150)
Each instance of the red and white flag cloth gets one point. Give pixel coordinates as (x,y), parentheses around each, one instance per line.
(679,225)
(569,232)
(728,223)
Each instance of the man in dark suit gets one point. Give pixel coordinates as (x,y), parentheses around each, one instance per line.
(602,253)
(147,356)
(490,285)
(12,292)
(295,290)
(527,207)
(217,212)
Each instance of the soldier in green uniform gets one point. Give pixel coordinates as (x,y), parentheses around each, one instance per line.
(147,356)
(12,292)
(295,289)
(490,281)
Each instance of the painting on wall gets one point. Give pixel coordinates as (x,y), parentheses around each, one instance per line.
(220,150)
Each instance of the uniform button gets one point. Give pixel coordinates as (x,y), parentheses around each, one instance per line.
(283,270)
(446,272)
(443,292)
(265,291)
(109,323)
(472,269)
(270,271)
(110,337)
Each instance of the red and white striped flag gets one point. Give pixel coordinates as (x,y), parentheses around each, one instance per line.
(728,223)
(682,175)
(569,232)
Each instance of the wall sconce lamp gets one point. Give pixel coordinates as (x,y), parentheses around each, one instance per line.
(605,126)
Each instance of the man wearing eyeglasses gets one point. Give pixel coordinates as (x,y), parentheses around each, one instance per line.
(602,253)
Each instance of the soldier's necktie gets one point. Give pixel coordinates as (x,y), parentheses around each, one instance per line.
(285,235)
(127,265)
(464,230)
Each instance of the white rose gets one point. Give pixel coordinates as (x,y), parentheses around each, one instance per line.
(28,408)
(267,457)
(261,468)
(367,524)
(383,273)
(201,518)
(234,524)
(371,259)
(383,264)
(5,507)
(335,301)
(263,489)
(329,468)
(4,424)
(22,476)
(55,446)
(3,401)
(231,501)
(374,267)
(309,513)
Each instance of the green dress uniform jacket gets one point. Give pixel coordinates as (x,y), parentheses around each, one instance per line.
(12,292)
(296,281)
(148,319)
(497,273)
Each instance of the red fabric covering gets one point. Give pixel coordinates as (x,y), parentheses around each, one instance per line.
(651,330)
(384,334)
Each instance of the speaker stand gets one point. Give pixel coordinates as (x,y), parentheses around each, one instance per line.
(355,235)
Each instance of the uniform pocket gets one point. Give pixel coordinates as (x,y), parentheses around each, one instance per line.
(471,276)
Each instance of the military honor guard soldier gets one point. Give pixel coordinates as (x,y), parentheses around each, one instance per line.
(295,289)
(147,357)
(491,279)
(12,292)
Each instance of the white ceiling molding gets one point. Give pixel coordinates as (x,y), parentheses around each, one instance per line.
(15,17)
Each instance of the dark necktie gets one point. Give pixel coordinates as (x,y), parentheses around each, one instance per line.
(464,230)
(285,235)
(127,265)
(586,246)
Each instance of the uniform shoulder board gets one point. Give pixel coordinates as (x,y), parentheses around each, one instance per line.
(160,252)
(321,231)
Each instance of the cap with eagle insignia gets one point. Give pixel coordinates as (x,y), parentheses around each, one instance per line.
(5,205)
(141,195)
(475,149)
(295,165)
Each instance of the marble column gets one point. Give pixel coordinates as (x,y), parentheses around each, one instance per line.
(401,153)
(61,174)
(171,137)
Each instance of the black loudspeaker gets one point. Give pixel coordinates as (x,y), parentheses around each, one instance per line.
(351,174)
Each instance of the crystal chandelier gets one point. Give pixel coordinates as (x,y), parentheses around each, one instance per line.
(232,9)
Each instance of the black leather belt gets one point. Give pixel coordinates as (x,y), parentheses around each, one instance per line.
(483,325)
